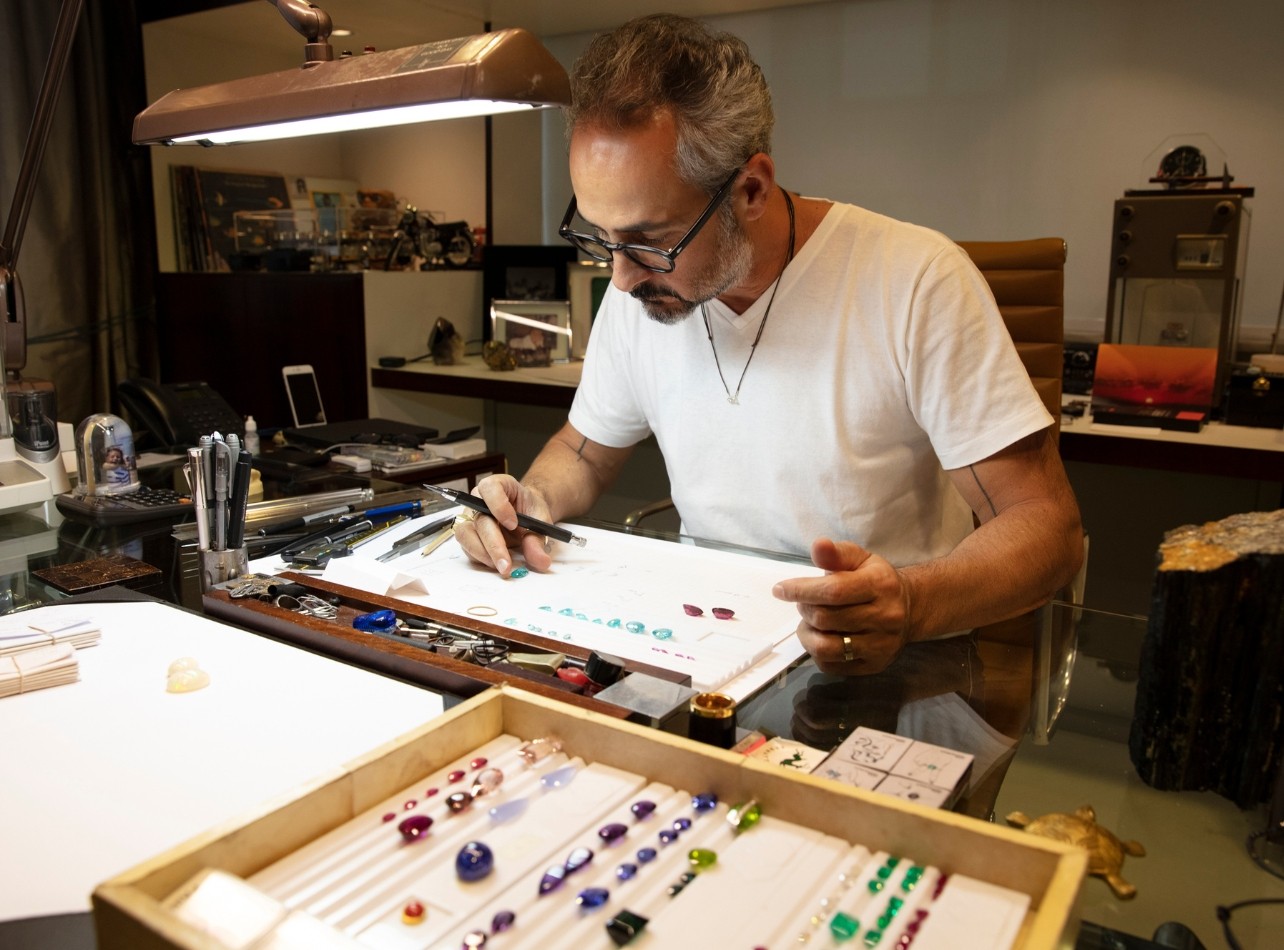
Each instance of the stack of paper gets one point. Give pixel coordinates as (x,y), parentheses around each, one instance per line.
(37,668)
(17,635)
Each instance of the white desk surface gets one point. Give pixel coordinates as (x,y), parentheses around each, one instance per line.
(99,775)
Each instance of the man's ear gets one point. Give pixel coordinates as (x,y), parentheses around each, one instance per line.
(756,186)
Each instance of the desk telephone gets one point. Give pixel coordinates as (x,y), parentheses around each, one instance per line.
(178,414)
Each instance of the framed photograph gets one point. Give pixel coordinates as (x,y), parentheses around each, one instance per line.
(586,283)
(536,332)
(522,272)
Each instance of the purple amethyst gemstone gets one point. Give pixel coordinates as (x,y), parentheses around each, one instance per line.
(642,809)
(612,832)
(626,871)
(646,855)
(474,861)
(592,897)
(502,921)
(668,836)
(705,801)
(415,827)
(578,859)
(552,879)
(682,824)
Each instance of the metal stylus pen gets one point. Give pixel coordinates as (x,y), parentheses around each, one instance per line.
(542,528)
(196,485)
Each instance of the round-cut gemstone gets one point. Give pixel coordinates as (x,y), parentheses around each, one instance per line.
(592,897)
(701,858)
(626,871)
(578,859)
(642,809)
(474,861)
(412,913)
(682,824)
(502,921)
(662,633)
(612,832)
(705,801)
(692,610)
(723,613)
(415,827)
(458,801)
(487,781)
(507,811)
(646,855)
(635,626)
(559,777)
(745,815)
(478,763)
(455,776)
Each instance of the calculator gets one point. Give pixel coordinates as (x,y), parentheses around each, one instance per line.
(145,504)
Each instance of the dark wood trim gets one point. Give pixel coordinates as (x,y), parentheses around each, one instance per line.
(492,387)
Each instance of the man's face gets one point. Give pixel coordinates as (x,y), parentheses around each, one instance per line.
(627,191)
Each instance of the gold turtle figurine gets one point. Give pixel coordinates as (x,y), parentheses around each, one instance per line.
(1080,828)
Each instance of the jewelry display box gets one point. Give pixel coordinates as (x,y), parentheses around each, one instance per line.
(133,911)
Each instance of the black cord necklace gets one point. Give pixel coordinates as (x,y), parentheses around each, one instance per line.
(734,398)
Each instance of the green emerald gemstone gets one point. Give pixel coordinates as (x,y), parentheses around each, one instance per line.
(875,885)
(702,858)
(872,937)
(843,927)
(744,816)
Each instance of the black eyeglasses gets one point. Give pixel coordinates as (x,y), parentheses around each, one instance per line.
(644,255)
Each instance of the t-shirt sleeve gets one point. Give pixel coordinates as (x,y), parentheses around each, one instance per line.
(606,408)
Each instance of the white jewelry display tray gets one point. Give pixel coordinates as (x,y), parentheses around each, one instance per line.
(129,909)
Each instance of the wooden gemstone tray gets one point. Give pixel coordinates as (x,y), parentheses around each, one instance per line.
(130,911)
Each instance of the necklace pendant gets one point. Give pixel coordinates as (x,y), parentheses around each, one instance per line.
(734,400)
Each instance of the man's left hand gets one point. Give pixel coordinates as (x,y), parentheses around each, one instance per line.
(855,619)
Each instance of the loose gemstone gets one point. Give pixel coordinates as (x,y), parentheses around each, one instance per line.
(692,610)
(474,939)
(612,832)
(507,811)
(559,778)
(581,616)
(843,926)
(547,607)
(662,633)
(745,815)
(592,897)
(701,858)
(675,889)
(578,859)
(429,793)
(668,836)
(642,809)
(487,781)
(502,921)
(635,626)
(552,879)
(567,612)
(477,763)
(626,871)
(723,613)
(615,622)
(518,572)
(682,824)
(410,805)
(389,816)
(646,855)
(458,801)
(686,877)
(412,913)
(624,926)
(415,827)
(705,801)
(872,937)
(455,776)
(537,749)
(474,861)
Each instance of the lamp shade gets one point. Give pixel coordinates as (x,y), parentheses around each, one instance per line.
(503,71)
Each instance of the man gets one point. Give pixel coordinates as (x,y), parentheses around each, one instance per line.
(815,374)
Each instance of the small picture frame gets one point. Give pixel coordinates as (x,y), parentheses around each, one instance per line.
(523,272)
(536,332)
(586,283)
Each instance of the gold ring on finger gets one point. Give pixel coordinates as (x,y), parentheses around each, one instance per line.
(848,655)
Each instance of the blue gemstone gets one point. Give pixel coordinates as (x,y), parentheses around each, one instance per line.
(518,572)
(682,824)
(474,861)
(580,616)
(635,626)
(705,801)
(642,809)
(612,832)
(626,871)
(552,879)
(647,854)
(668,836)
(507,811)
(559,778)
(592,897)
(567,612)
(662,633)
(614,623)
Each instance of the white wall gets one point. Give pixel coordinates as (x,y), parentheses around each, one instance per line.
(1002,119)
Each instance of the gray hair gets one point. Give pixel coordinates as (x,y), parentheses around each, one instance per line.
(716,91)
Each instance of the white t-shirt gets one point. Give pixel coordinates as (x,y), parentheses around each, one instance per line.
(884,361)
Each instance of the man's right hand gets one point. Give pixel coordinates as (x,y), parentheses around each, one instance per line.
(490,540)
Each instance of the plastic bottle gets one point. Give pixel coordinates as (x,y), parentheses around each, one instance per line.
(251,435)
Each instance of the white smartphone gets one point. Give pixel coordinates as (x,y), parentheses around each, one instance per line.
(305,396)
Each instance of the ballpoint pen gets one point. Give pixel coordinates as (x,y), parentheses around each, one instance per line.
(240,499)
(415,539)
(542,528)
(222,473)
(196,485)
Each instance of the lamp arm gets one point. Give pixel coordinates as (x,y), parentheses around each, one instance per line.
(313,24)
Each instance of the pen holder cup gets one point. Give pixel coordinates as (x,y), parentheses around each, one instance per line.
(218,567)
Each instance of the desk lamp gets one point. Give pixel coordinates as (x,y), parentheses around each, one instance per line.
(31,468)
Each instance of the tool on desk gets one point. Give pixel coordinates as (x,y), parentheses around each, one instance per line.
(303,521)
(542,528)
(194,469)
(240,500)
(416,539)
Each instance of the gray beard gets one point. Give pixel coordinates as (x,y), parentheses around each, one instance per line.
(728,268)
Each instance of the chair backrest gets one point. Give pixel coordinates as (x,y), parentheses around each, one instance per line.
(1027,279)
